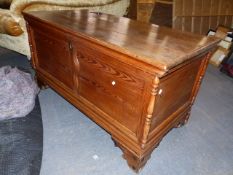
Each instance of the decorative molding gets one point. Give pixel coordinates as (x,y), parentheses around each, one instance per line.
(76,71)
(150,110)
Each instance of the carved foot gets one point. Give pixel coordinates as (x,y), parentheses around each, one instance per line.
(183,121)
(134,162)
(115,143)
(41,84)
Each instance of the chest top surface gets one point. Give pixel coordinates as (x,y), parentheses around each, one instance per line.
(159,46)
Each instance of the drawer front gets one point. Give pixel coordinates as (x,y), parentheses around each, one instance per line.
(111,86)
(54,56)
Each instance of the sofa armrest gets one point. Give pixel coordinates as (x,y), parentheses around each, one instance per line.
(9,24)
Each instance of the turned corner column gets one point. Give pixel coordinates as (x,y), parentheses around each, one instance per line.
(137,159)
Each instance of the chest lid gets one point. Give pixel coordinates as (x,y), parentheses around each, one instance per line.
(161,47)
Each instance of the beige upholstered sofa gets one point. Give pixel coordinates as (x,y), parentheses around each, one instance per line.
(13,34)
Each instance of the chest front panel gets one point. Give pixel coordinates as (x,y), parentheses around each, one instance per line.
(111,85)
(54,56)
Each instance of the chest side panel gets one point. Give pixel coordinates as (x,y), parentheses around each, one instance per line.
(176,90)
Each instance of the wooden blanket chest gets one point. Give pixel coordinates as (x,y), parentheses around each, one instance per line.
(136,80)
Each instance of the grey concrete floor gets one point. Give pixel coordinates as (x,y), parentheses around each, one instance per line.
(75,145)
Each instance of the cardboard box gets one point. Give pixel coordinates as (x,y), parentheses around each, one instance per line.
(218,56)
(224,46)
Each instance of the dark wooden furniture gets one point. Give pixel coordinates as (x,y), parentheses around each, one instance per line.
(197,16)
(135,80)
